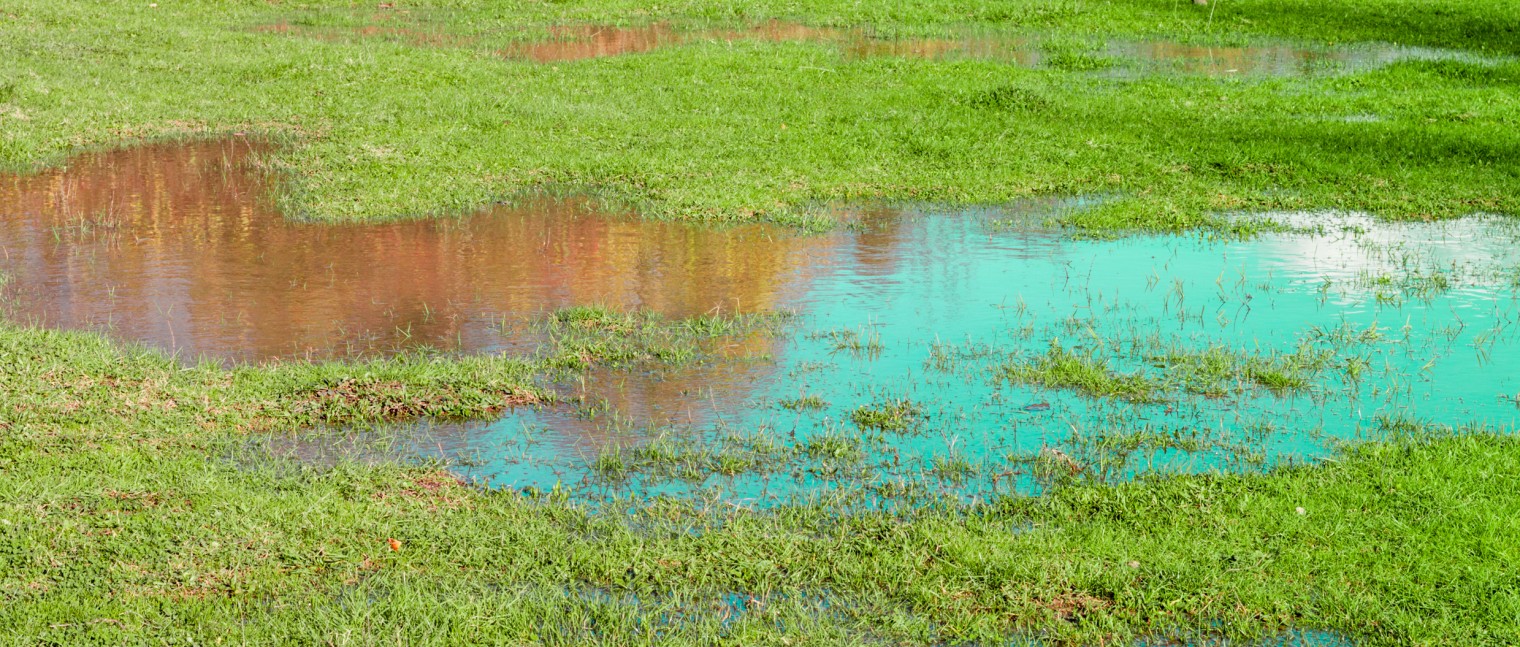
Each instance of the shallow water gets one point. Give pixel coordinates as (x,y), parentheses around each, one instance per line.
(582,42)
(174,246)
(1412,322)
(574,43)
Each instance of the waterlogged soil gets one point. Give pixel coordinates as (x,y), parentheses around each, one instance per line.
(176,246)
(582,42)
(934,355)
(898,385)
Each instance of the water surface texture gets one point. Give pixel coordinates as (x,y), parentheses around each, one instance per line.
(1379,326)
(933,355)
(565,43)
(580,42)
(176,246)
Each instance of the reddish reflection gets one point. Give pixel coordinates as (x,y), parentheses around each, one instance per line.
(577,43)
(593,41)
(175,246)
(581,42)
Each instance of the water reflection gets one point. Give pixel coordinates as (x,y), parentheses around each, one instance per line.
(175,245)
(574,43)
(583,42)
(1410,323)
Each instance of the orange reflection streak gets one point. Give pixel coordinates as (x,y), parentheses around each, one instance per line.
(174,245)
(581,42)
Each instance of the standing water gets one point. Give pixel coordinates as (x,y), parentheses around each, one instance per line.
(933,355)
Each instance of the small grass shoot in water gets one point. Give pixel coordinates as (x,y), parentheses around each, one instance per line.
(892,416)
(804,403)
(1217,371)
(582,336)
(1086,373)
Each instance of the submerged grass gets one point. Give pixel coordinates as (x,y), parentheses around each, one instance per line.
(1087,373)
(584,336)
(1214,371)
(892,416)
(804,403)
(108,488)
(1218,371)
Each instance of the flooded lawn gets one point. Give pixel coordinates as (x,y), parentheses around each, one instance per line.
(932,355)
(582,42)
(961,355)
(573,43)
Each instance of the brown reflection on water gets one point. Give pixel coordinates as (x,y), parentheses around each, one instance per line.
(573,43)
(174,245)
(591,41)
(581,42)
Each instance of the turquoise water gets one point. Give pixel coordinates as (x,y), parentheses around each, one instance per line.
(1393,324)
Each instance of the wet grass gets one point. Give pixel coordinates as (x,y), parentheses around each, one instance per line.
(112,483)
(716,131)
(683,458)
(804,403)
(1085,372)
(1213,371)
(1217,371)
(581,337)
(892,416)
(860,342)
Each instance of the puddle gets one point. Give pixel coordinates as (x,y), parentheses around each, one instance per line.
(934,356)
(574,43)
(895,386)
(566,43)
(173,245)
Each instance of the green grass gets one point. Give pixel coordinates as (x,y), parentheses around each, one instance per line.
(1218,371)
(581,337)
(893,416)
(808,402)
(1087,373)
(380,128)
(126,518)
(1215,371)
